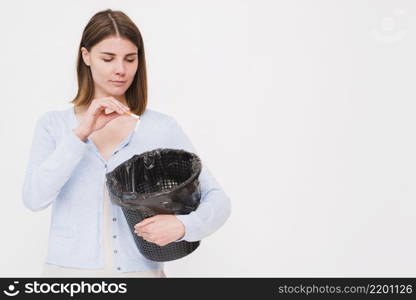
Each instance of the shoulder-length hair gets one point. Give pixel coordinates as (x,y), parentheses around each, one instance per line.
(102,25)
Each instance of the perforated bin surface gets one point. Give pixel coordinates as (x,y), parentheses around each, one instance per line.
(161,181)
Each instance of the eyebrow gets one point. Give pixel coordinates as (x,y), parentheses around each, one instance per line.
(113,54)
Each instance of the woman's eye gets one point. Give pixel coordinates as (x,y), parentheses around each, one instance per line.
(129,60)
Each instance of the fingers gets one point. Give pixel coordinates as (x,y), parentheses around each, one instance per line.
(110,104)
(159,242)
(143,230)
(144,223)
(144,235)
(140,229)
(151,237)
(123,108)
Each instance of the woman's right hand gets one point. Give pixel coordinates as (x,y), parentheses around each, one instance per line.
(99,113)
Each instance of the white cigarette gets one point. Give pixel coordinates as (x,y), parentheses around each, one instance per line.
(133,115)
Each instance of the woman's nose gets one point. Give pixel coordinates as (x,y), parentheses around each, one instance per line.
(120,68)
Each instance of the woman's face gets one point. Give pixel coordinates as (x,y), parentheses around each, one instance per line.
(113,64)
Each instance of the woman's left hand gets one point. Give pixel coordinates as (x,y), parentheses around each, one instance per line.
(160,229)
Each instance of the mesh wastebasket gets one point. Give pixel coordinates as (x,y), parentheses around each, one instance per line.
(161,181)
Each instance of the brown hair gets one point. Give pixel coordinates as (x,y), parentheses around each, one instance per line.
(102,25)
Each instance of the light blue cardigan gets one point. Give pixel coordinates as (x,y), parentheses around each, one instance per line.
(69,174)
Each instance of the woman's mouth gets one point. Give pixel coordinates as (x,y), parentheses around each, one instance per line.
(117,83)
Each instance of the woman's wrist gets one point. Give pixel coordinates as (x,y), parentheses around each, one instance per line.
(81,134)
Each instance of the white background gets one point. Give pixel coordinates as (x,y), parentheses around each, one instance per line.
(303,111)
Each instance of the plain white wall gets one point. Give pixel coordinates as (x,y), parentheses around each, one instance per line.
(303,111)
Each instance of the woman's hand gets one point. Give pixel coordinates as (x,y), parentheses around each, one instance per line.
(99,113)
(160,229)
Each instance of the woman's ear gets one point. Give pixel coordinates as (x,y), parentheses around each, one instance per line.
(85,56)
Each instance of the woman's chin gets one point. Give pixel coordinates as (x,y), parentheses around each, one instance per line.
(116,91)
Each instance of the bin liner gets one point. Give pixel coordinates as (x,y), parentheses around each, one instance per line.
(160,181)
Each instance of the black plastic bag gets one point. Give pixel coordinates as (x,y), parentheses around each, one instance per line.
(161,181)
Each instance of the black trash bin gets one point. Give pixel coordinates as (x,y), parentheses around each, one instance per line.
(161,181)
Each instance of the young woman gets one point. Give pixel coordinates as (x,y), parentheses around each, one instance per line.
(73,149)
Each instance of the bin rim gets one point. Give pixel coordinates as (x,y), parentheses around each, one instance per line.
(116,186)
